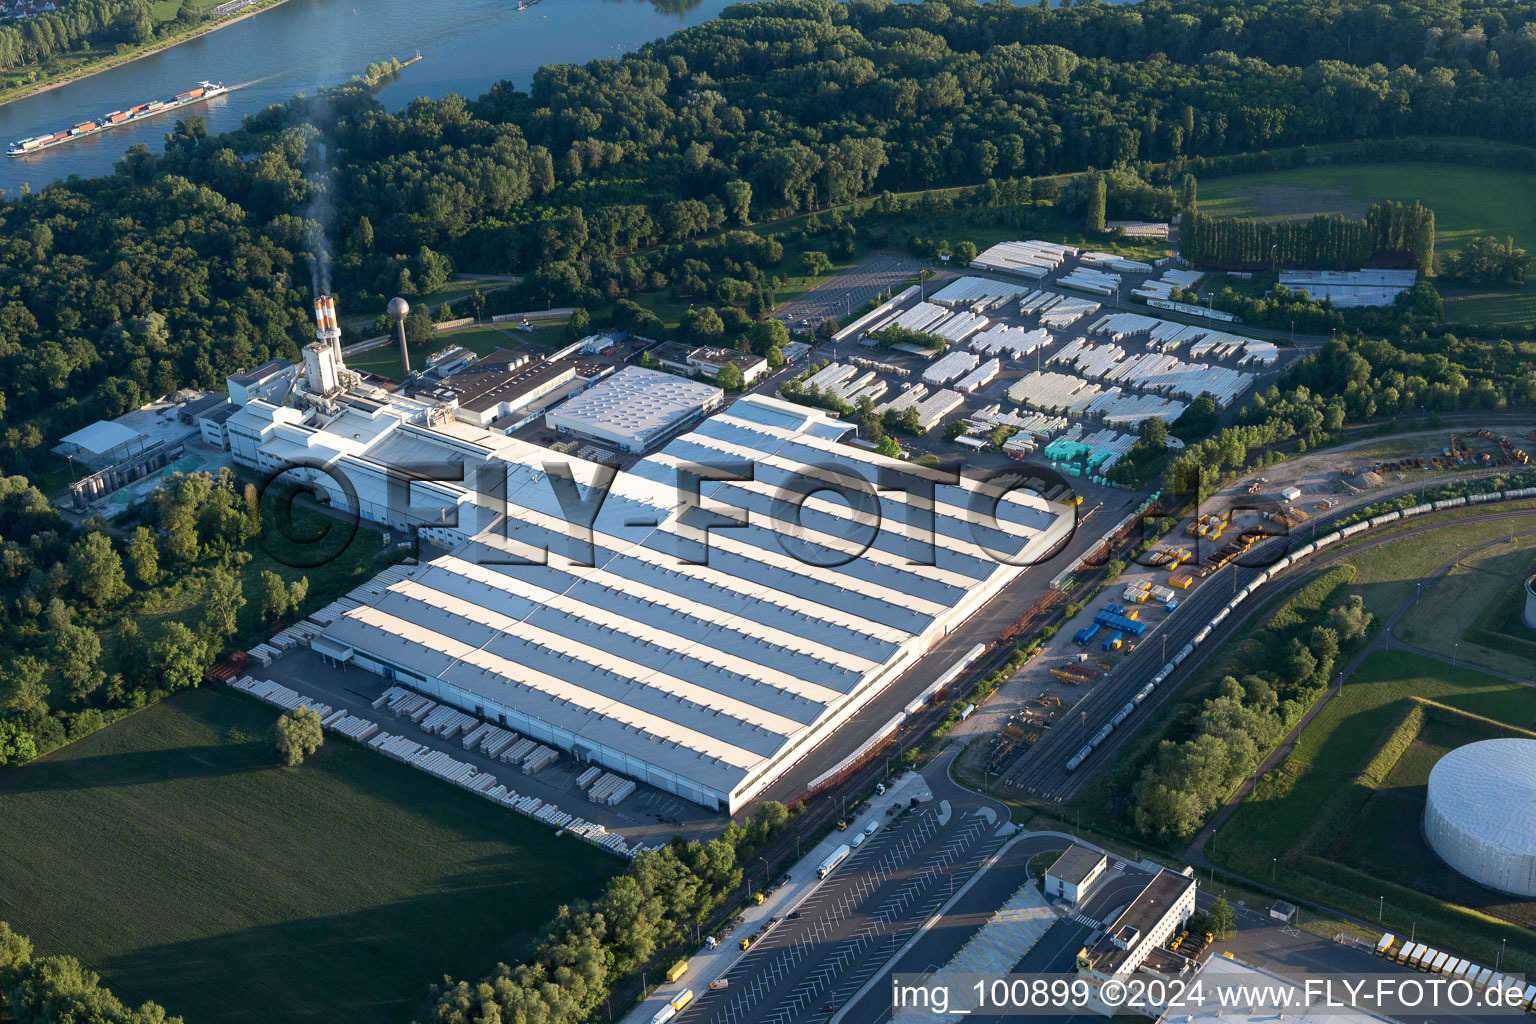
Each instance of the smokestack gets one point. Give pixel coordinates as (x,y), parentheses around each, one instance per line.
(398,308)
(327,330)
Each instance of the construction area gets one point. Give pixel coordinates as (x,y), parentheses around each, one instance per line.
(1064,375)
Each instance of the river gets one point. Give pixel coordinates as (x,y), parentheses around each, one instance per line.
(467,45)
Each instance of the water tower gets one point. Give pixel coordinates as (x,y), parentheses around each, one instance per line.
(398,308)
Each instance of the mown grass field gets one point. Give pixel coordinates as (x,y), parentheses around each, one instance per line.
(1465,615)
(1288,817)
(1468,201)
(171,853)
(481,339)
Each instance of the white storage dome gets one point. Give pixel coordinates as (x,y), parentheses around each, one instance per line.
(1480,816)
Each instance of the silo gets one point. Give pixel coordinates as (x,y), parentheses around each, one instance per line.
(1480,814)
(1530,602)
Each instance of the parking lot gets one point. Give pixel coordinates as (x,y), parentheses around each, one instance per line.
(839,296)
(837,937)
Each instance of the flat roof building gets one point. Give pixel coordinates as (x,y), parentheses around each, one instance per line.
(636,409)
(705,660)
(1074,872)
(504,381)
(1145,925)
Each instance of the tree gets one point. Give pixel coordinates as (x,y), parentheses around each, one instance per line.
(96,570)
(274,596)
(144,556)
(728,378)
(17,746)
(1097,194)
(814,263)
(738,201)
(579,325)
(888,446)
(766,335)
(177,658)
(954,429)
(1223,918)
(299,734)
(1188,197)
(1154,432)
(76,656)
(965,252)
(21,686)
(223,597)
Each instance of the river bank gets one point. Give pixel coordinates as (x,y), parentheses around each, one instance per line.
(107,63)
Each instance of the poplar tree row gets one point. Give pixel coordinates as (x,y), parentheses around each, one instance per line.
(1391,233)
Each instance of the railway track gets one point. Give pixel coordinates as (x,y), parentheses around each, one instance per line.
(1042,776)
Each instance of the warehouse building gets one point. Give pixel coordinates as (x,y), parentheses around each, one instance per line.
(1480,813)
(1072,874)
(636,409)
(702,647)
(503,382)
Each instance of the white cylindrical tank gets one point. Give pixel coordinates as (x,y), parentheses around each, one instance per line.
(1530,602)
(1480,814)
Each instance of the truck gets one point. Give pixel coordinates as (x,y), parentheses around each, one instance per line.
(677,970)
(683,999)
(834,858)
(664,1014)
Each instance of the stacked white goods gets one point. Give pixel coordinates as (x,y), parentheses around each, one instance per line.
(263,654)
(978,293)
(497,740)
(541,758)
(921,317)
(1089,280)
(908,396)
(1038,425)
(587,777)
(473,736)
(327,717)
(1033,259)
(1263,353)
(960,326)
(1009,342)
(1123,325)
(1110,261)
(846,390)
(1157,372)
(1123,408)
(828,376)
(949,366)
(1215,344)
(481,783)
(354,728)
(874,391)
(1037,300)
(1069,310)
(610,790)
(1092,361)
(517,751)
(936,406)
(391,696)
(1054,392)
(1112,442)
(979,377)
(1162,287)
(420,708)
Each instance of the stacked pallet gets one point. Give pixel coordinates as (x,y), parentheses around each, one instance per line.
(588,777)
(541,758)
(353,727)
(496,740)
(517,751)
(610,790)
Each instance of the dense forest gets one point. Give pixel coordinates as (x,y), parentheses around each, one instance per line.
(81,25)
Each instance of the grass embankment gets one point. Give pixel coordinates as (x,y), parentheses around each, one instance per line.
(1468,202)
(1342,813)
(173,854)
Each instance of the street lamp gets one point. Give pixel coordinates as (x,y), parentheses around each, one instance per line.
(1501,954)
(1273,864)
(1381,908)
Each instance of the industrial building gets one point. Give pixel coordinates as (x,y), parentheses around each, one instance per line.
(1290,1003)
(636,409)
(703,649)
(504,381)
(689,360)
(1480,813)
(1351,288)
(1144,926)
(1072,874)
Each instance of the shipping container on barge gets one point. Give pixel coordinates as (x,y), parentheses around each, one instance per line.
(116,119)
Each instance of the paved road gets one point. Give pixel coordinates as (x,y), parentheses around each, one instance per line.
(867,908)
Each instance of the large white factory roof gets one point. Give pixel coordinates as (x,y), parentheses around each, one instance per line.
(706,672)
(1480,813)
(634,406)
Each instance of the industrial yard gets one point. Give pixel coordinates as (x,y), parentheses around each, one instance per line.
(1061,374)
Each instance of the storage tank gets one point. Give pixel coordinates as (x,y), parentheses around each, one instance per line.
(1530,602)
(1480,813)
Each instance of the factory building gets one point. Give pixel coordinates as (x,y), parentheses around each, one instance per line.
(269,382)
(1072,874)
(636,409)
(702,647)
(503,382)
(1478,813)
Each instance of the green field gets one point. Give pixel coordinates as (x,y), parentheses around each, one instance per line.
(1467,615)
(1468,201)
(171,853)
(1312,812)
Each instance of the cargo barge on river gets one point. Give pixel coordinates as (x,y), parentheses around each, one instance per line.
(116,119)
